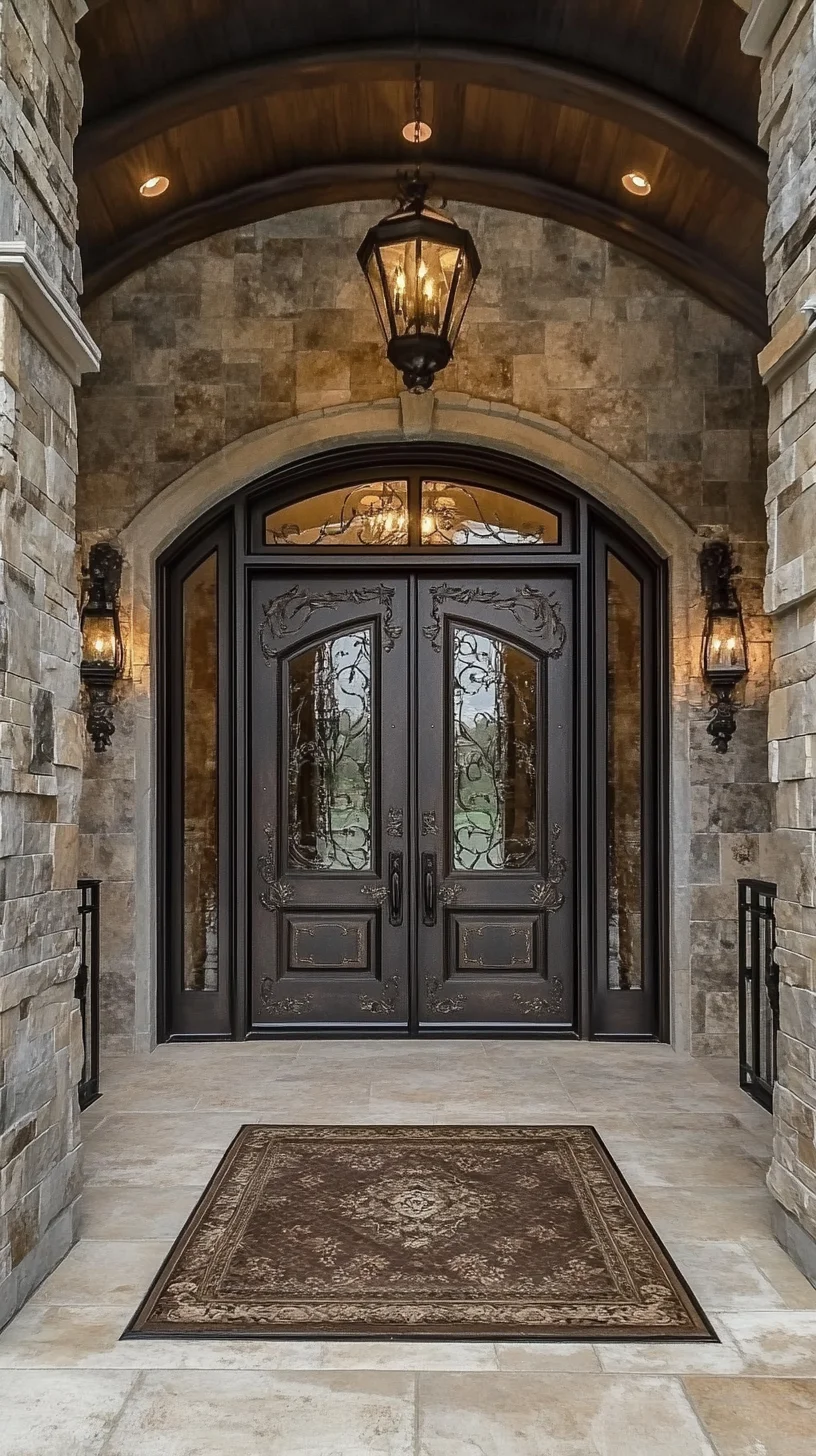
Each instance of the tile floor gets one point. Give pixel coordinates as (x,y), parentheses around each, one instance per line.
(694,1148)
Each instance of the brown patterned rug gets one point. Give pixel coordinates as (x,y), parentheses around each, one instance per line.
(439,1232)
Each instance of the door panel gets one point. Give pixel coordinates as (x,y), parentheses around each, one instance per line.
(496,941)
(329,920)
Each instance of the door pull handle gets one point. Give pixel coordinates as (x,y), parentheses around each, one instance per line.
(429,889)
(395,888)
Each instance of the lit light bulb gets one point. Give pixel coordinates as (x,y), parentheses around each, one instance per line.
(154,186)
(99,644)
(422,269)
(732,642)
(637,183)
(428,524)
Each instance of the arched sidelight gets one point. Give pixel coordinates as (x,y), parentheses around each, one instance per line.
(412,756)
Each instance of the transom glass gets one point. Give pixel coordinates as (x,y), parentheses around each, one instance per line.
(426,513)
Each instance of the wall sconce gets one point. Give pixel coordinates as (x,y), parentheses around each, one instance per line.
(102,652)
(725,651)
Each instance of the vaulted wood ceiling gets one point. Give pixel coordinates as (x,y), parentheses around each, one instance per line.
(255,107)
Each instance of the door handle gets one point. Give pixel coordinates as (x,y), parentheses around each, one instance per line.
(429,889)
(395,888)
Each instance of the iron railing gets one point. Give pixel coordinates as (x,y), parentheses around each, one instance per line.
(87,988)
(758,989)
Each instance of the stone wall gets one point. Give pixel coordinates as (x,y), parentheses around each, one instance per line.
(789,364)
(40,728)
(253,326)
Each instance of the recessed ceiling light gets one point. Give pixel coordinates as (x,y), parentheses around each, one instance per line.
(417,131)
(154,186)
(637,182)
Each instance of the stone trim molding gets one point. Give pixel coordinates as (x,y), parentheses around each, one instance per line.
(447,417)
(45,312)
(791,346)
(761,24)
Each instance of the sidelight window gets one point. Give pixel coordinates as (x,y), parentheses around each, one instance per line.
(200,776)
(624,776)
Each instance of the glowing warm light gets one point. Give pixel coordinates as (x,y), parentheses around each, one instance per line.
(154,186)
(417,132)
(637,183)
(99,644)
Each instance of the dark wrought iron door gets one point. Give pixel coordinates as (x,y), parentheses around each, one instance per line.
(328,802)
(496,752)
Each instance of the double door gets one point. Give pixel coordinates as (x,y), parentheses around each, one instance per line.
(411,791)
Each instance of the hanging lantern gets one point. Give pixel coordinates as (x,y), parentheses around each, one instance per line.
(102,647)
(421,268)
(725,650)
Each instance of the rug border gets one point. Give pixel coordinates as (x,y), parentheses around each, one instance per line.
(181,1240)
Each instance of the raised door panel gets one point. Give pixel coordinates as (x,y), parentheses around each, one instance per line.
(496,775)
(328,803)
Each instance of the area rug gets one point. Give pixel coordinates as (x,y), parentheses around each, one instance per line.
(488,1233)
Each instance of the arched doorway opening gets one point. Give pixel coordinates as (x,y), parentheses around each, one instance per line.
(412,756)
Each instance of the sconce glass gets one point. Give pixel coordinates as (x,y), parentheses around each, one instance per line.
(725,650)
(102,649)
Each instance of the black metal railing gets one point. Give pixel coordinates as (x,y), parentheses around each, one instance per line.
(758,989)
(87,988)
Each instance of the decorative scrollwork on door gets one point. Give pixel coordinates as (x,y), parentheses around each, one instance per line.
(284,615)
(545,894)
(277,892)
(283,1005)
(532,609)
(377,893)
(386,1003)
(538,1005)
(429,824)
(449,894)
(394,823)
(442,1005)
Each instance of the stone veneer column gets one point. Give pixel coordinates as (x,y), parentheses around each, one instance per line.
(785,35)
(43,349)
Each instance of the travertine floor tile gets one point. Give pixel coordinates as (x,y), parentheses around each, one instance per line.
(259,1414)
(556,1415)
(757,1417)
(61,1413)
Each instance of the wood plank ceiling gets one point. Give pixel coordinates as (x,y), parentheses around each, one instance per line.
(255,107)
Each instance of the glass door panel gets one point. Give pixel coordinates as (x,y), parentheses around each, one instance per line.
(328,782)
(495,781)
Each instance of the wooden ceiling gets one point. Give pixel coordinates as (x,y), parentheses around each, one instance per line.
(255,107)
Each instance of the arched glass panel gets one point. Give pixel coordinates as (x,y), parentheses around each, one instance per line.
(471,515)
(375,514)
(200,776)
(329,776)
(495,753)
(624,616)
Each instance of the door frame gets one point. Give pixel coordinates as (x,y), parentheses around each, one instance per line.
(238,518)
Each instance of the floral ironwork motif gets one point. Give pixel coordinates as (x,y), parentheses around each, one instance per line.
(373,514)
(377,893)
(284,1006)
(284,615)
(459,515)
(394,823)
(537,1005)
(277,892)
(429,824)
(531,609)
(442,1005)
(495,753)
(330,754)
(546,894)
(449,894)
(386,1003)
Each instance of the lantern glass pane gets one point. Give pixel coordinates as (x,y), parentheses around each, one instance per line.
(99,639)
(375,284)
(725,647)
(419,275)
(464,288)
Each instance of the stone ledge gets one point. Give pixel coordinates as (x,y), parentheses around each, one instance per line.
(45,312)
(789,347)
